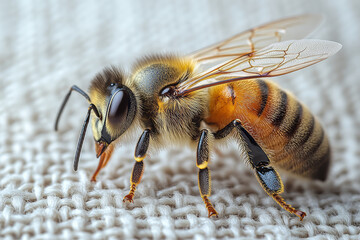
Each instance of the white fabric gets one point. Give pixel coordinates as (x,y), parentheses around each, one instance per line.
(47,46)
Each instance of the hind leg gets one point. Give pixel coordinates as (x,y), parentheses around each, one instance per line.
(266,175)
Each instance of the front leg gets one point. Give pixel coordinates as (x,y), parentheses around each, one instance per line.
(267,176)
(140,153)
(104,159)
(204,179)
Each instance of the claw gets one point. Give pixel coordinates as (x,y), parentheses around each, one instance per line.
(300,214)
(212,212)
(209,207)
(129,198)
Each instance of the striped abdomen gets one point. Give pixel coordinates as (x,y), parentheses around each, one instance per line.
(286,130)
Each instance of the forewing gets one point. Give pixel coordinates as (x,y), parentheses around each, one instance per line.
(274,60)
(257,38)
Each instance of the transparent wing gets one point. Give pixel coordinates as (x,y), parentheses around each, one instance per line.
(254,39)
(274,60)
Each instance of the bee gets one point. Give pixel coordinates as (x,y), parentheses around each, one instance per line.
(218,92)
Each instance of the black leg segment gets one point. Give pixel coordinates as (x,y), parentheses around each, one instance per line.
(269,179)
(257,156)
(142,145)
(204,182)
(202,154)
(137,172)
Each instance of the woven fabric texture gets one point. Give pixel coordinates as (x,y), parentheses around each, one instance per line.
(47,46)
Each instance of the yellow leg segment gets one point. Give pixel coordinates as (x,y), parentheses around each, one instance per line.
(288,207)
(104,159)
(130,196)
(209,207)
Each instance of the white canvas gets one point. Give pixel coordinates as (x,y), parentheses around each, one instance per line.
(47,46)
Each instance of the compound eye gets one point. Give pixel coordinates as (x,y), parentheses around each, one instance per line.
(119,107)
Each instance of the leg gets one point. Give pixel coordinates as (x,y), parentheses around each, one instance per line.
(140,153)
(272,184)
(267,176)
(104,159)
(108,152)
(134,180)
(204,179)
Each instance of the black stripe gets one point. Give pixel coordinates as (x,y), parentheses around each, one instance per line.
(322,166)
(296,121)
(309,131)
(314,162)
(264,89)
(315,145)
(280,115)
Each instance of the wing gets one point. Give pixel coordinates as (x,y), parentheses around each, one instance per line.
(254,39)
(274,60)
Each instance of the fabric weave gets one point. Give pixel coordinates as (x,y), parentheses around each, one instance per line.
(47,46)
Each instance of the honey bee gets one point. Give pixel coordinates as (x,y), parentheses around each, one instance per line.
(217,92)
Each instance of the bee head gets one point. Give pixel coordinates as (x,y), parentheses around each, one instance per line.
(116,104)
(113,109)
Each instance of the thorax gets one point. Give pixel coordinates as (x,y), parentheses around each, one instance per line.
(171,120)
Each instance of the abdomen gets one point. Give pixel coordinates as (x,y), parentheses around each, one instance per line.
(285,129)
